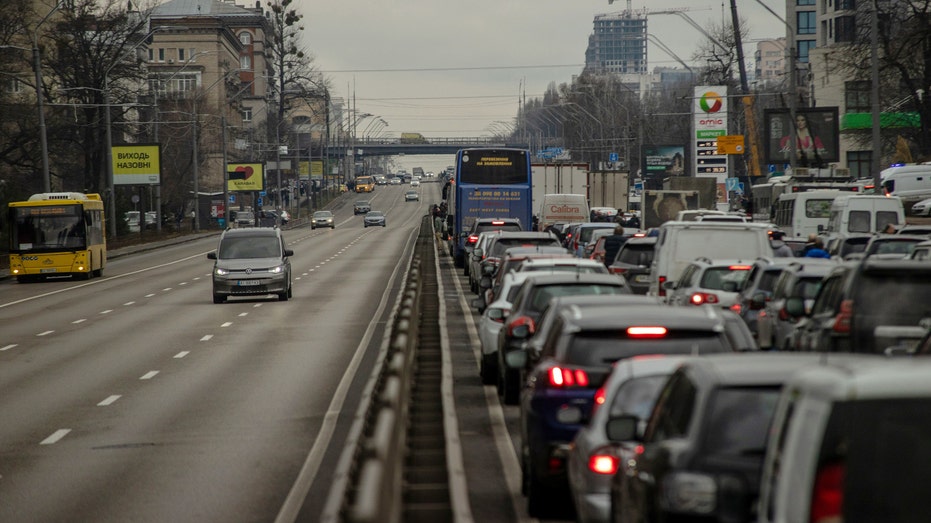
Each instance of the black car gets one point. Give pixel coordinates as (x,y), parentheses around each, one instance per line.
(701,455)
(633,262)
(530,301)
(867,305)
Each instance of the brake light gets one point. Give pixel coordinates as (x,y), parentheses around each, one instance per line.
(842,320)
(618,270)
(827,500)
(736,308)
(701,298)
(739,267)
(647,332)
(603,462)
(560,377)
(472,238)
(784,315)
(661,291)
(497,222)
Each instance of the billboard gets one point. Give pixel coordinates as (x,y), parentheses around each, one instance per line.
(817,136)
(245,177)
(136,164)
(663,160)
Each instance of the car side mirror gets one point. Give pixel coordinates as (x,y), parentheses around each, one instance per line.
(515,359)
(288,252)
(477,253)
(820,228)
(795,306)
(669,285)
(623,428)
(212,255)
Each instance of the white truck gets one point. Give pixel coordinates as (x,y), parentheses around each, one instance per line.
(609,189)
(558,178)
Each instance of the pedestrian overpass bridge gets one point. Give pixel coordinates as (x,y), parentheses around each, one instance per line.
(395,146)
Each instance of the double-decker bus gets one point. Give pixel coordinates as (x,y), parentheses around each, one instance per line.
(489,183)
(57,234)
(365,184)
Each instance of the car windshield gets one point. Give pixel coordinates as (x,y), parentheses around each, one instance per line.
(375,214)
(716,277)
(249,247)
(323,214)
(641,255)
(739,419)
(544,293)
(604,347)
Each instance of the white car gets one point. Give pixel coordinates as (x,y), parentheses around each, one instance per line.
(415,183)
(922,208)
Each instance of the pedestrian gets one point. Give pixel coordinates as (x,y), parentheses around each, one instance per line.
(780,249)
(809,245)
(194,220)
(817,251)
(890,228)
(613,244)
(438,227)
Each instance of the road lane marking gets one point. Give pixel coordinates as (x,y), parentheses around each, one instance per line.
(183,283)
(46,333)
(148,375)
(241,314)
(226,324)
(82,320)
(109,401)
(182,354)
(55,437)
(166,289)
(108,311)
(8,347)
(149,295)
(127,304)
(206,337)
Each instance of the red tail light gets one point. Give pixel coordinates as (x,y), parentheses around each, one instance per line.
(600,398)
(646,332)
(661,291)
(617,270)
(701,298)
(603,462)
(784,315)
(736,308)
(565,378)
(842,320)
(472,239)
(827,500)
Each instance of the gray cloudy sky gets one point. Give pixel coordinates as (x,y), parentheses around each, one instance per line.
(449,69)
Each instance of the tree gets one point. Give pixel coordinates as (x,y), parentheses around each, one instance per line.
(904,39)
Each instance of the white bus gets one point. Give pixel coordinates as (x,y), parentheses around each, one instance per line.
(799,214)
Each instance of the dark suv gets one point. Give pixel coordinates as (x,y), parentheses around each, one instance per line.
(865,306)
(701,454)
(251,262)
(462,247)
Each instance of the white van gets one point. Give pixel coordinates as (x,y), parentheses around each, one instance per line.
(682,242)
(864,214)
(907,181)
(563,208)
(799,214)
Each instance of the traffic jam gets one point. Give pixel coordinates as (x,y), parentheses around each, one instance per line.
(711,367)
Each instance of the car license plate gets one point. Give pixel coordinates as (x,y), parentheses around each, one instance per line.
(48,270)
(246,283)
(642,278)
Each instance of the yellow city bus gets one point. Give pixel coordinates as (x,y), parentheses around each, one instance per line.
(365,184)
(57,234)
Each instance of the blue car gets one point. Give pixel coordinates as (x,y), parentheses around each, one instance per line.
(581,346)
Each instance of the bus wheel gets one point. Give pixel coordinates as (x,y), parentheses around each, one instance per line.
(98,273)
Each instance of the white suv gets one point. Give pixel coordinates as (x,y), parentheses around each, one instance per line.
(850,441)
(709,282)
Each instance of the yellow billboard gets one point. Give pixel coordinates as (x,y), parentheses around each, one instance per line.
(136,164)
(245,177)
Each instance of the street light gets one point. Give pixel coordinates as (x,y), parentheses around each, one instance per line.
(107,118)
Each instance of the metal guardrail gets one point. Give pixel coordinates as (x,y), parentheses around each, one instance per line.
(369,486)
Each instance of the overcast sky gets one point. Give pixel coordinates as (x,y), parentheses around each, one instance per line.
(451,69)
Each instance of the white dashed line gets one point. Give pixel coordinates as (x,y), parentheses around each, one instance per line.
(148,375)
(183,283)
(196,278)
(182,354)
(55,437)
(82,320)
(226,324)
(206,337)
(108,311)
(109,401)
(241,314)
(166,289)
(149,295)
(8,347)
(127,304)
(46,333)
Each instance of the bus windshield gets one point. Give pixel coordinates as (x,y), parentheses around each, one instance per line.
(52,227)
(494,167)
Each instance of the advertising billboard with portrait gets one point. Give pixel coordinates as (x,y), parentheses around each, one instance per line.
(663,160)
(817,136)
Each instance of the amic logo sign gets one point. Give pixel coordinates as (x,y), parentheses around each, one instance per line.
(245,177)
(710,102)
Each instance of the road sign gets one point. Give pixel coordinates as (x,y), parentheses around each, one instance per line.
(732,184)
(733,144)
(613,157)
(232,198)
